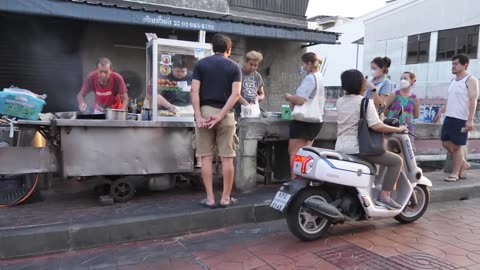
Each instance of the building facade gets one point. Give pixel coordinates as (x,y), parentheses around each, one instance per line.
(421,36)
(49,46)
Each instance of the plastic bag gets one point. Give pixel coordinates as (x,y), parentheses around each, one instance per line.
(17,90)
(251,111)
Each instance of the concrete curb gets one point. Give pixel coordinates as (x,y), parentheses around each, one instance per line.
(36,240)
(43,239)
(458,191)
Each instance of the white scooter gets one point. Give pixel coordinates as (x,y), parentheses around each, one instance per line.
(332,187)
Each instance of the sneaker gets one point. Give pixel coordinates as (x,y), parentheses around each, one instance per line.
(389,204)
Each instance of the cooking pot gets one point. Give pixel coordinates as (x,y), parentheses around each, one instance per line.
(115,114)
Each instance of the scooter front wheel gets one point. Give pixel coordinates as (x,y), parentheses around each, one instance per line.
(303,223)
(413,213)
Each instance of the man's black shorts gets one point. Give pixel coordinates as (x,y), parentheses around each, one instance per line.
(452,131)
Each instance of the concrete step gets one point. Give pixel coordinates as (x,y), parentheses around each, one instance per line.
(72,221)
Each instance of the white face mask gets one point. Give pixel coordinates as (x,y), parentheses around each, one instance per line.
(404,84)
(374,73)
(303,72)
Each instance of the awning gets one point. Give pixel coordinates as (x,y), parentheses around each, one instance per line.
(126,15)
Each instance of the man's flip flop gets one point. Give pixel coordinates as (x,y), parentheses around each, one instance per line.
(206,205)
(233,201)
(451,179)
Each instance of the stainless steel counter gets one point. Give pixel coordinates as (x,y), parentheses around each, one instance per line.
(33,123)
(162,122)
(124,124)
(108,147)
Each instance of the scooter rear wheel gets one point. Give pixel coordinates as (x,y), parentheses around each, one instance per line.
(412,214)
(301,223)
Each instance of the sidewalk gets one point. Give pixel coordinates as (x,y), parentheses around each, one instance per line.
(446,239)
(72,221)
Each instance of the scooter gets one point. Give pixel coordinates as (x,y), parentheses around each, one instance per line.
(331,188)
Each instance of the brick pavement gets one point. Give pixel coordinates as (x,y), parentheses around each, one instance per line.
(447,238)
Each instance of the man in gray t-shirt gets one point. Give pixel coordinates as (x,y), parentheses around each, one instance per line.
(252,82)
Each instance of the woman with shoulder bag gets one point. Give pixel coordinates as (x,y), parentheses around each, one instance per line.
(349,115)
(307,103)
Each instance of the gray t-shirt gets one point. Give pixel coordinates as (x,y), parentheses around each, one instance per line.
(307,88)
(250,85)
(384,87)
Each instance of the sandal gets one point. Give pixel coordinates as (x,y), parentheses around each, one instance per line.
(206,205)
(232,201)
(451,179)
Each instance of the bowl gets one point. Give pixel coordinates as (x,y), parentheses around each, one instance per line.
(66,115)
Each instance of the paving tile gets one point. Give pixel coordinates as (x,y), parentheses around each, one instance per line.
(278,261)
(93,259)
(473,267)
(306,259)
(228,265)
(431,243)
(459,260)
(265,267)
(253,263)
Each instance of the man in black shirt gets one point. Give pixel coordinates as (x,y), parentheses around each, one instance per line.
(180,72)
(216,88)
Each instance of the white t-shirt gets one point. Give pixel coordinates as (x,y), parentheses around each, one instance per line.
(348,115)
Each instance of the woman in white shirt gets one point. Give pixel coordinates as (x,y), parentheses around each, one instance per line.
(348,109)
(304,133)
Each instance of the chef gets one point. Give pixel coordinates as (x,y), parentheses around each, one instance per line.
(180,76)
(180,73)
(109,87)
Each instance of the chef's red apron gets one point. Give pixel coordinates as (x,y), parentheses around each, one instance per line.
(105,96)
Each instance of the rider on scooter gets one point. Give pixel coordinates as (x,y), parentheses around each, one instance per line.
(348,109)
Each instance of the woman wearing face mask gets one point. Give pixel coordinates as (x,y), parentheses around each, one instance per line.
(404,99)
(379,86)
(303,133)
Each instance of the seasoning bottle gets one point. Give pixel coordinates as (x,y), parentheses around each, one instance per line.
(146,109)
(133,105)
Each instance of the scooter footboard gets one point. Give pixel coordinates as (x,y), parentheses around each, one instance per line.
(403,190)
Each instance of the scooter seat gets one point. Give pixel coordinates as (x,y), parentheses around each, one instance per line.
(350,158)
(359,160)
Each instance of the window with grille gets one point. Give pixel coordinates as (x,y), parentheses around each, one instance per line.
(418,48)
(460,40)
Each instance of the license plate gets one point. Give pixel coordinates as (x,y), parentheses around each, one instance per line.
(280,201)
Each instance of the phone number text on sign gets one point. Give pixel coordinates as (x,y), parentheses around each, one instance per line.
(159,20)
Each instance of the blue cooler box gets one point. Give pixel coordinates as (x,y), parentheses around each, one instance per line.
(20,105)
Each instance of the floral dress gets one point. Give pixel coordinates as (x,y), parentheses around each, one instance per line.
(408,104)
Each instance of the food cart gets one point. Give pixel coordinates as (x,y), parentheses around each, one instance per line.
(126,153)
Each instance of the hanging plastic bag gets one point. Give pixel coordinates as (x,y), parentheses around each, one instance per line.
(251,111)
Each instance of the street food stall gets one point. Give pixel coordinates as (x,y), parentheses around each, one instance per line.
(149,151)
